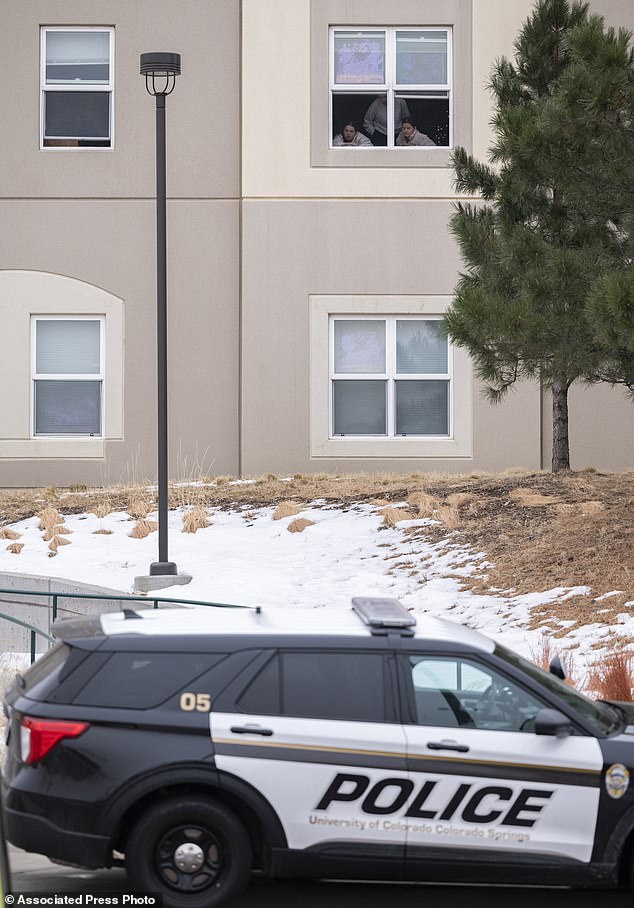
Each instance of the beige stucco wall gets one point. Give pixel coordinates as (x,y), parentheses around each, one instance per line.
(601,428)
(89,215)
(277,163)
(110,244)
(295,249)
(202,113)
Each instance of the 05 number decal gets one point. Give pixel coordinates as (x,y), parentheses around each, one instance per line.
(200,703)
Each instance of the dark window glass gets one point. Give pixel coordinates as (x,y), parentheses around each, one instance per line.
(422,407)
(77,114)
(143,680)
(67,407)
(347,686)
(52,661)
(359,407)
(262,696)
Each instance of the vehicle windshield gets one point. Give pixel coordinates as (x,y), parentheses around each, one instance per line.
(602,718)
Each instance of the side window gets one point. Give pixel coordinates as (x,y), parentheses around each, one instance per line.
(390,87)
(347,686)
(452,692)
(67,376)
(143,680)
(77,87)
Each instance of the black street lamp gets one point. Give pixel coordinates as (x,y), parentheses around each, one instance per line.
(160,71)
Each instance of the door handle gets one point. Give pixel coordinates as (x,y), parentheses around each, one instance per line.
(447,745)
(251,730)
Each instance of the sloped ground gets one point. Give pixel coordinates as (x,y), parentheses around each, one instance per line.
(539,531)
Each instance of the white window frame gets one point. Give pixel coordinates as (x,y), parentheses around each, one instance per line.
(341,448)
(80,87)
(74,376)
(390,376)
(389,87)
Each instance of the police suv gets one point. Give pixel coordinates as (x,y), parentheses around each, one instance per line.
(198,745)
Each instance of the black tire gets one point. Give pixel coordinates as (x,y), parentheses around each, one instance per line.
(210,844)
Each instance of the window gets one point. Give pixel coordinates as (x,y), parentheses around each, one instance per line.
(389,377)
(140,680)
(68,375)
(77,75)
(310,685)
(452,692)
(381,77)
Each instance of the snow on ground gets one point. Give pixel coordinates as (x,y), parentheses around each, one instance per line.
(247,558)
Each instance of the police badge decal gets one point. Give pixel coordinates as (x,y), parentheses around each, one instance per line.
(617,780)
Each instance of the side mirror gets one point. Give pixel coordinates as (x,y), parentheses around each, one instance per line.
(556,668)
(552,722)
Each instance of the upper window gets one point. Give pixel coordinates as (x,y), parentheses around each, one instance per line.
(389,377)
(390,87)
(77,75)
(67,370)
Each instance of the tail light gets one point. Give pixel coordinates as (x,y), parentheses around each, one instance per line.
(38,736)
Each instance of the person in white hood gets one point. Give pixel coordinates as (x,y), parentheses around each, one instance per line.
(410,136)
(350,137)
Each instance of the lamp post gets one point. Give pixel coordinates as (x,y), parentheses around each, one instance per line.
(160,71)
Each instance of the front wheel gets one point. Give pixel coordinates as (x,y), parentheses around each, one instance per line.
(193,852)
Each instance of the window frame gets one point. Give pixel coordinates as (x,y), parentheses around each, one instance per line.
(381,448)
(326,13)
(406,674)
(66,376)
(390,86)
(390,376)
(81,87)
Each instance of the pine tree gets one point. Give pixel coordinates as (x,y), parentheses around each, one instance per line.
(523,306)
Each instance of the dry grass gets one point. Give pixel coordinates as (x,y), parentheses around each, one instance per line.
(102,532)
(528,498)
(49,517)
(8,533)
(15,547)
(448,516)
(286,509)
(299,525)
(543,654)
(140,506)
(56,541)
(612,678)
(196,519)
(424,502)
(392,516)
(58,530)
(103,508)
(143,528)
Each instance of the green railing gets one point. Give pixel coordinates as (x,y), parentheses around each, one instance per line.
(32,630)
(111,597)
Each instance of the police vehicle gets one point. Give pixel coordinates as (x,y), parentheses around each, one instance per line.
(198,745)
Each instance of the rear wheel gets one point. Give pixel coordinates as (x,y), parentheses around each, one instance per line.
(194,852)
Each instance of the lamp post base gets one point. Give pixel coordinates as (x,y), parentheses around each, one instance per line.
(157,568)
(149,582)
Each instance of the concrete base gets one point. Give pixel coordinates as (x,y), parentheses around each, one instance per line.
(149,582)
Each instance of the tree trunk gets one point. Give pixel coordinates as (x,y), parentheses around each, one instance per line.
(561,447)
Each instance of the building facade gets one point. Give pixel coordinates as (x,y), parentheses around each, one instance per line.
(306,279)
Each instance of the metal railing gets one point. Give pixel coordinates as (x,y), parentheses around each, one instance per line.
(32,630)
(107,597)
